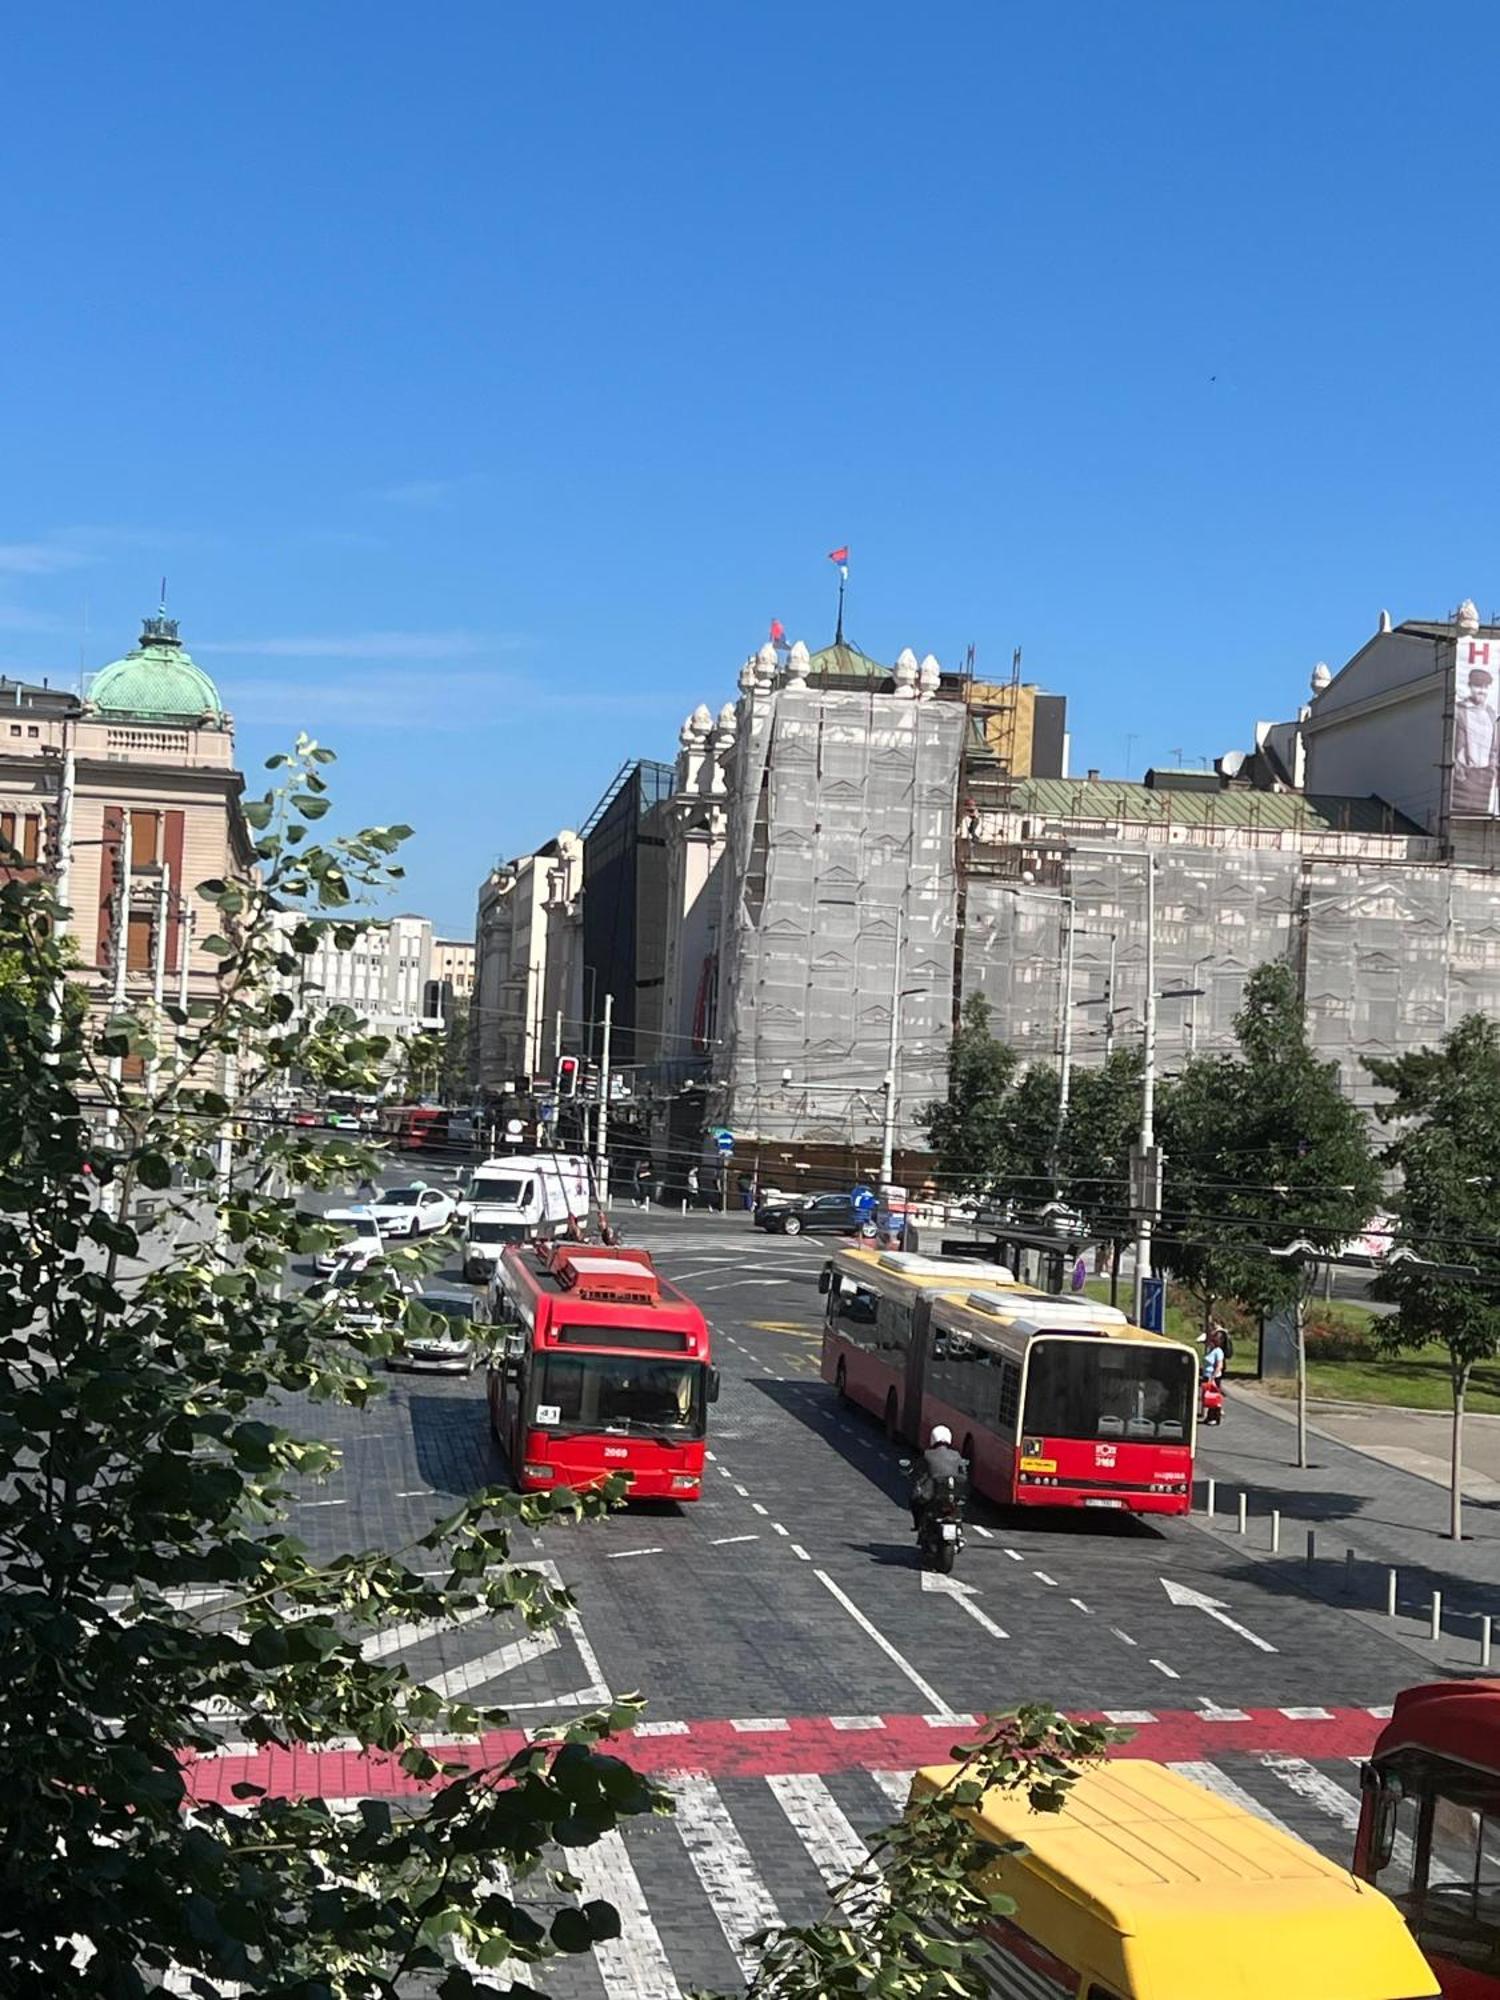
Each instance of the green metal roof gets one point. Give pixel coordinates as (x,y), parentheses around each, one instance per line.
(842,661)
(159,679)
(1075,799)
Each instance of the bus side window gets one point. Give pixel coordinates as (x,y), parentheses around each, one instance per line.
(1010,1392)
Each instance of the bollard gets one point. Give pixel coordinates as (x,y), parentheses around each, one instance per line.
(1212,1484)
(1390,1593)
(1435,1624)
(1276,1531)
(1244,1512)
(1312,1545)
(684,1204)
(1348,1572)
(1484,1640)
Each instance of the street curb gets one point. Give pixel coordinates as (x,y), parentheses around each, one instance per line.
(1273,1407)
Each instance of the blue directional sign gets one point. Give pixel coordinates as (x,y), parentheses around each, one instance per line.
(725,1143)
(1154,1305)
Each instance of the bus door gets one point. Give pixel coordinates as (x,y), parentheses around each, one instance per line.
(919,1339)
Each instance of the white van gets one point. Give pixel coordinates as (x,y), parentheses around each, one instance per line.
(540,1191)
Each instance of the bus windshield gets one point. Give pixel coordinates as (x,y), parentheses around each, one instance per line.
(1109,1389)
(626,1392)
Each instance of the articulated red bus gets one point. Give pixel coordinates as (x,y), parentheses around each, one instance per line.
(875,1331)
(1055,1402)
(1062,1403)
(606,1369)
(1429,1828)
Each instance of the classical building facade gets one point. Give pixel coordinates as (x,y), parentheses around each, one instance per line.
(527,1002)
(129,798)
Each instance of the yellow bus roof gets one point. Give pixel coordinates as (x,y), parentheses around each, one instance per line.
(1030,1307)
(890,1270)
(1147,1878)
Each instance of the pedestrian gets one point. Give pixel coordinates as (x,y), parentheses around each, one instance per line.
(692,1187)
(643,1184)
(1213,1354)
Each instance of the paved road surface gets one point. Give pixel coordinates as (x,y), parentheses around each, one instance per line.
(796,1663)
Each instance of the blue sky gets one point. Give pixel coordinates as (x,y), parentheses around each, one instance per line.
(486,377)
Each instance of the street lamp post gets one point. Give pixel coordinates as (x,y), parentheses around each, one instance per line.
(1150,1163)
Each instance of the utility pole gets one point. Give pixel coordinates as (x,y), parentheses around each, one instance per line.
(557,1040)
(158,974)
(601,1154)
(122,955)
(1109,998)
(888,1133)
(1149,1191)
(1065,1052)
(184,953)
(62,872)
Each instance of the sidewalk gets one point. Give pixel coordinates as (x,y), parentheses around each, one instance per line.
(1380,1501)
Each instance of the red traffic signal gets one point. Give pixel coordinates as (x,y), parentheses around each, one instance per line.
(567,1076)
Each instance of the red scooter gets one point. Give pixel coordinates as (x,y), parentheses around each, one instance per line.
(1211,1408)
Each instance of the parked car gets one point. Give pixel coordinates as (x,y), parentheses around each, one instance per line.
(821,1214)
(449,1347)
(358,1247)
(352,1310)
(417,1210)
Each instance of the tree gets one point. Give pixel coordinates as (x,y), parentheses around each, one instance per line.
(1103,1123)
(1444,1273)
(453,1072)
(967,1129)
(151,1595)
(906,1923)
(1263,1150)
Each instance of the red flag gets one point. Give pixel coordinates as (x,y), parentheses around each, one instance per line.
(838,555)
(778,631)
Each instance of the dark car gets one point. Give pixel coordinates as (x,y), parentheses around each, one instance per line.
(820,1214)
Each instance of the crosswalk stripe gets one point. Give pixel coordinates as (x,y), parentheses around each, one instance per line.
(396,1638)
(1213,1779)
(489,1666)
(896,1785)
(1316,1787)
(634,1965)
(819,1822)
(722,1862)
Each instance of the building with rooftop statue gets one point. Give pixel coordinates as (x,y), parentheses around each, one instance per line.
(129,797)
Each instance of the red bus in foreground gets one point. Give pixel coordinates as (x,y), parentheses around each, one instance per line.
(1058,1402)
(605,1369)
(1429,1828)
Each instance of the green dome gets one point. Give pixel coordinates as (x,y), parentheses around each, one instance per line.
(158,678)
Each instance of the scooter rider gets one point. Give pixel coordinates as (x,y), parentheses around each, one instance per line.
(939,1463)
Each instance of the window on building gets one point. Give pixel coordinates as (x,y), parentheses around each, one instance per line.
(145,839)
(32,729)
(31,836)
(15,729)
(138,958)
(8,828)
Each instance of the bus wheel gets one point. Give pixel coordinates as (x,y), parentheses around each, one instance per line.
(841,1382)
(892,1418)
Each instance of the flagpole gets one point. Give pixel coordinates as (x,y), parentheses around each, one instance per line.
(838,636)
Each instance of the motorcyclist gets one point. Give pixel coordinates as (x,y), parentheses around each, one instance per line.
(938,1464)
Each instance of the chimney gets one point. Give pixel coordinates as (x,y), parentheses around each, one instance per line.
(1093,777)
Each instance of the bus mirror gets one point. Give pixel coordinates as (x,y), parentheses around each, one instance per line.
(515,1346)
(713,1385)
(825,1278)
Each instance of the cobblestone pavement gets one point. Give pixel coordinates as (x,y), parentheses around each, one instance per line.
(781,1628)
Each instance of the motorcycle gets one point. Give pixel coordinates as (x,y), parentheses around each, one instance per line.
(1211,1410)
(940,1536)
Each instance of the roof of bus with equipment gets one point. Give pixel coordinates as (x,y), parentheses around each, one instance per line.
(1029,1309)
(923,1274)
(1459,1720)
(1151,1882)
(522,1259)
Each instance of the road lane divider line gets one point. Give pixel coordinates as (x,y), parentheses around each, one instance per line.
(723,1541)
(1162,1667)
(799,1551)
(898,1659)
(620,1555)
(756,1508)
(1081,1606)
(1042,1577)
(1124,1637)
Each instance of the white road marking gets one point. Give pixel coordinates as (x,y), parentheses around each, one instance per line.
(659,1729)
(798,1550)
(489,1666)
(1316,1787)
(962,1594)
(741,1901)
(987,1533)
(857,1721)
(1162,1667)
(634,1965)
(896,1785)
(1199,1600)
(940,1707)
(619,1555)
(1124,1637)
(1042,1577)
(1081,1606)
(1129,1715)
(758,1725)
(1306,1714)
(756,1508)
(1214,1780)
(320,1503)
(819,1822)
(1015,1555)
(723,1541)
(779,1529)
(396,1638)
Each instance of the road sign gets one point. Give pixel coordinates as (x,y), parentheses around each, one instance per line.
(1154,1305)
(725,1143)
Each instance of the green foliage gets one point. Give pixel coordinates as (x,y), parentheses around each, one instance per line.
(1444,1114)
(1262,1149)
(905,1923)
(152,1598)
(995,1132)
(1103,1123)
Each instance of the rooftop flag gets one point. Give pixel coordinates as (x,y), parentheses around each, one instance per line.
(841,557)
(778,631)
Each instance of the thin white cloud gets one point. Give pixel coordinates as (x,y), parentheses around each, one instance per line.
(44,558)
(456,645)
(424,492)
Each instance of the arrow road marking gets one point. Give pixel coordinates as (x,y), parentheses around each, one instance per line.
(963,1596)
(1198,1600)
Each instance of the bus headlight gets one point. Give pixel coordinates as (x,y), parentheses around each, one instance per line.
(682,1482)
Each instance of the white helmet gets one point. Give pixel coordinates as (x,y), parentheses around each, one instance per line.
(941,1435)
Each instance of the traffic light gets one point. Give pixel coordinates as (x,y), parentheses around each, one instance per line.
(567,1076)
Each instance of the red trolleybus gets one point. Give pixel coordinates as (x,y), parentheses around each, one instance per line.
(1429,1828)
(605,1369)
(875,1329)
(1058,1402)
(414,1128)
